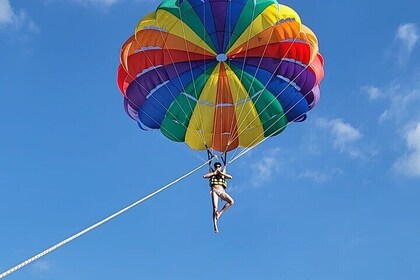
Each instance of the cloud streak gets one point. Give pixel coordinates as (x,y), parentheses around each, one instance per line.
(409,164)
(407,36)
(404,101)
(372,91)
(321,177)
(8,16)
(262,168)
(266,168)
(42,265)
(343,133)
(98,3)
(16,19)
(345,138)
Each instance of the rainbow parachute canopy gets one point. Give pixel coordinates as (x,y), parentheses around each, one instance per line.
(220,74)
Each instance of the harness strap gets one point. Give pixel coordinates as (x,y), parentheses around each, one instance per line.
(210,157)
(224,159)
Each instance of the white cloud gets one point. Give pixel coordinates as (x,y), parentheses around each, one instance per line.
(372,91)
(409,164)
(407,34)
(17,19)
(6,13)
(404,103)
(406,39)
(403,106)
(321,177)
(384,117)
(40,267)
(8,16)
(343,132)
(265,168)
(404,100)
(345,137)
(98,3)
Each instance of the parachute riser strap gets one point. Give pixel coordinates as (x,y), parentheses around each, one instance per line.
(224,159)
(210,158)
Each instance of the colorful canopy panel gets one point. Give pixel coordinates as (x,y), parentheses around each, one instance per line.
(220,74)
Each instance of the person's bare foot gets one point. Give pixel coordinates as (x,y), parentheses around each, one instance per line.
(218,214)
(216,229)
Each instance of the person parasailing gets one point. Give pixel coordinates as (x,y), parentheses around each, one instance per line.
(217,181)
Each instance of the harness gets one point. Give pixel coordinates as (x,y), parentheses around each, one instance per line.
(216,180)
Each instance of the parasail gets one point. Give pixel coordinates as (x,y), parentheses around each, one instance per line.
(220,74)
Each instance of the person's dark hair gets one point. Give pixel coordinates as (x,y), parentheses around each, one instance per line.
(216,164)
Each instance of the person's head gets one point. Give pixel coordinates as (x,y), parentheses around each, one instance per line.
(217,165)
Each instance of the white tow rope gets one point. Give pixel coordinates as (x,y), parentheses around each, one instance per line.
(71,238)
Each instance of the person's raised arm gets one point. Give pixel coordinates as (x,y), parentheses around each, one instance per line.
(208,175)
(223,173)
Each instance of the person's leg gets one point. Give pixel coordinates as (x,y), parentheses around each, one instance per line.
(215,202)
(229,202)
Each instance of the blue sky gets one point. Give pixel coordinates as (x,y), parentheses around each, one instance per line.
(335,197)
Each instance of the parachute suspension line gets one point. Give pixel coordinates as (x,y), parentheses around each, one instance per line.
(231,138)
(228,21)
(250,147)
(151,94)
(224,159)
(189,149)
(193,80)
(298,118)
(210,157)
(266,84)
(253,144)
(77,235)
(184,147)
(169,132)
(209,153)
(179,78)
(154,98)
(255,74)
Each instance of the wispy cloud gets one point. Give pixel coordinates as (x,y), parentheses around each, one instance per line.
(40,267)
(404,101)
(403,106)
(407,35)
(343,132)
(265,168)
(15,19)
(345,138)
(7,16)
(319,176)
(372,91)
(409,164)
(98,3)
(262,165)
